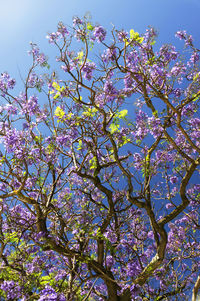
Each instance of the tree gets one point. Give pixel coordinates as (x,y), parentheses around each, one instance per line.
(100,177)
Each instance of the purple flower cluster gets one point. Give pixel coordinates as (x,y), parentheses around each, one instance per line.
(110,91)
(177,92)
(195,129)
(99,33)
(62,30)
(173,179)
(88,70)
(158,74)
(13,140)
(11,109)
(194,58)
(141,125)
(22,216)
(110,54)
(77,21)
(122,35)
(163,156)
(31,106)
(182,35)
(178,69)
(53,37)
(60,275)
(149,36)
(6,82)
(132,60)
(137,160)
(129,84)
(38,57)
(155,126)
(111,236)
(49,294)
(12,290)
(62,139)
(133,268)
(60,33)
(110,261)
(168,53)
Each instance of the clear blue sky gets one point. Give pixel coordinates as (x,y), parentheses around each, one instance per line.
(22,21)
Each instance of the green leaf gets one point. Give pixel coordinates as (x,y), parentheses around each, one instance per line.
(56,86)
(90,112)
(89,26)
(93,163)
(125,141)
(195,96)
(114,128)
(122,114)
(80,55)
(79,145)
(152,43)
(135,36)
(12,237)
(57,95)
(59,112)
(196,77)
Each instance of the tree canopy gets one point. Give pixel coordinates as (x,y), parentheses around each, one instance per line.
(99,169)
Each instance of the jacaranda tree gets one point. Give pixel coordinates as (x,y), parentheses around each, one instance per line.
(99,170)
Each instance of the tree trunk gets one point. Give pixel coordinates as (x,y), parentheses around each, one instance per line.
(195,289)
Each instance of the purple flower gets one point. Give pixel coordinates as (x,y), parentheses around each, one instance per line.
(22,216)
(111,236)
(194,58)
(129,84)
(173,179)
(6,82)
(178,69)
(11,109)
(31,105)
(110,261)
(181,34)
(52,37)
(110,91)
(48,294)
(13,140)
(12,289)
(60,275)
(32,79)
(99,33)
(77,21)
(150,35)
(169,205)
(155,126)
(138,160)
(189,40)
(88,69)
(195,123)
(141,125)
(62,30)
(110,54)
(197,187)
(168,52)
(62,140)
(133,268)
(38,57)
(122,35)
(177,92)
(150,235)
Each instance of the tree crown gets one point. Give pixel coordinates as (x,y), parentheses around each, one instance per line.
(100,170)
